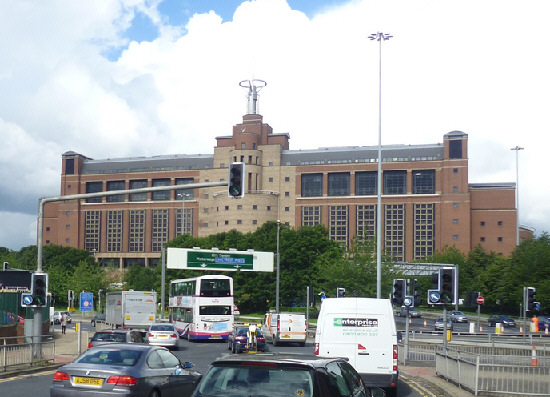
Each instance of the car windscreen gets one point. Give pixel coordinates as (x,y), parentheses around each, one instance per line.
(122,357)
(109,337)
(240,380)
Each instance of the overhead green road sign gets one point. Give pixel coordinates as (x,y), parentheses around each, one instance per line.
(199,259)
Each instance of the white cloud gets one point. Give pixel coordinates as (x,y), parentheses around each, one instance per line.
(478,67)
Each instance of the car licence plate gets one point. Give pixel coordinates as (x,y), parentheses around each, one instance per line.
(162,336)
(88,381)
(286,336)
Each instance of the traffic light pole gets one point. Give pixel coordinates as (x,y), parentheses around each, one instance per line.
(524,313)
(37,313)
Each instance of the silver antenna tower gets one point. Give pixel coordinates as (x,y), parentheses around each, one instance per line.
(254,86)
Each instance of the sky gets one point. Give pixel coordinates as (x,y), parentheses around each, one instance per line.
(129,78)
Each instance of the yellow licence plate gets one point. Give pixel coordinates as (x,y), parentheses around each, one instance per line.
(162,336)
(286,336)
(88,381)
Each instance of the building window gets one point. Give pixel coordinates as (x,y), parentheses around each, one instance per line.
(67,240)
(68,213)
(227,222)
(116,185)
(239,207)
(114,231)
(395,182)
(205,210)
(94,187)
(227,208)
(455,170)
(482,239)
(287,194)
(67,226)
(206,196)
(455,236)
(254,207)
(92,227)
(455,205)
(188,221)
(338,184)
(424,230)
(482,223)
(239,222)
(312,185)
(455,221)
(47,228)
(500,223)
(455,188)
(270,179)
(187,193)
(243,145)
(254,222)
(287,209)
(205,224)
(136,240)
(159,230)
(69,167)
(366,222)
(269,208)
(271,163)
(394,240)
(500,239)
(311,216)
(163,194)
(287,179)
(339,223)
(423,182)
(138,184)
(455,149)
(365,183)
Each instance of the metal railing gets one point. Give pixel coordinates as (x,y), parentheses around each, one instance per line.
(19,351)
(487,368)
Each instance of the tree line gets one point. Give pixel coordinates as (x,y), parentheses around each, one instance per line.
(308,257)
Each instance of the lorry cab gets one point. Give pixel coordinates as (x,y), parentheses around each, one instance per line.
(285,328)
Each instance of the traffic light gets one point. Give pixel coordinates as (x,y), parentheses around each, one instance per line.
(398,294)
(39,289)
(531,296)
(340,292)
(447,285)
(236,180)
(414,293)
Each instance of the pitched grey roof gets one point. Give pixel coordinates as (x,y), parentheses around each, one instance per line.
(149,164)
(362,154)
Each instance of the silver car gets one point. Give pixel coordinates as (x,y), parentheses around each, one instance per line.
(125,370)
(458,317)
(439,324)
(163,334)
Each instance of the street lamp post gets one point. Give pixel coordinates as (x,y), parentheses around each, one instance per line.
(183,196)
(380,37)
(278,268)
(517,149)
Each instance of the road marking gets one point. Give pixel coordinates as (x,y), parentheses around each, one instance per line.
(417,387)
(18,377)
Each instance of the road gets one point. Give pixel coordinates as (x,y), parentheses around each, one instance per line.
(201,354)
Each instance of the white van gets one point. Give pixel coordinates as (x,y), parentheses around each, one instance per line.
(363,330)
(285,328)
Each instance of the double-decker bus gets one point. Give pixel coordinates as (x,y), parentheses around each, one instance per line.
(202,307)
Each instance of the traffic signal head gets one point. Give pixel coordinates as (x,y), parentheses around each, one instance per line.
(531,297)
(340,292)
(398,294)
(413,291)
(447,285)
(39,289)
(236,180)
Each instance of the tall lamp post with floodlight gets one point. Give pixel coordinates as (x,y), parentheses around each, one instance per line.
(517,149)
(380,37)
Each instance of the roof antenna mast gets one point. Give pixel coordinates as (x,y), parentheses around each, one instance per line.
(254,86)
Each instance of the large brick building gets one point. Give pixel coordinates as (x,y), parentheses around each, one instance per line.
(427,200)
